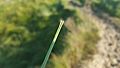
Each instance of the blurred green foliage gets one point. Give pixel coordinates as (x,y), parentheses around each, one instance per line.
(26,30)
(80,46)
(109,6)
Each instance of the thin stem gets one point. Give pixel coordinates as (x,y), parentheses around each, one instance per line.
(52,44)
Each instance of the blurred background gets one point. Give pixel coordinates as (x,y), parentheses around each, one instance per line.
(27,28)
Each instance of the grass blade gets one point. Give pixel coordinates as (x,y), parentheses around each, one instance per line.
(52,44)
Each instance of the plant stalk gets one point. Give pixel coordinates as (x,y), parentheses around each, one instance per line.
(52,44)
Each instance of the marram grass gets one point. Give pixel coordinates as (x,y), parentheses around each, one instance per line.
(52,44)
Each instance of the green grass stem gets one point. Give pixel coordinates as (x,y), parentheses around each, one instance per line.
(52,44)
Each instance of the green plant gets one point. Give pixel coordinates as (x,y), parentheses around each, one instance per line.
(26,29)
